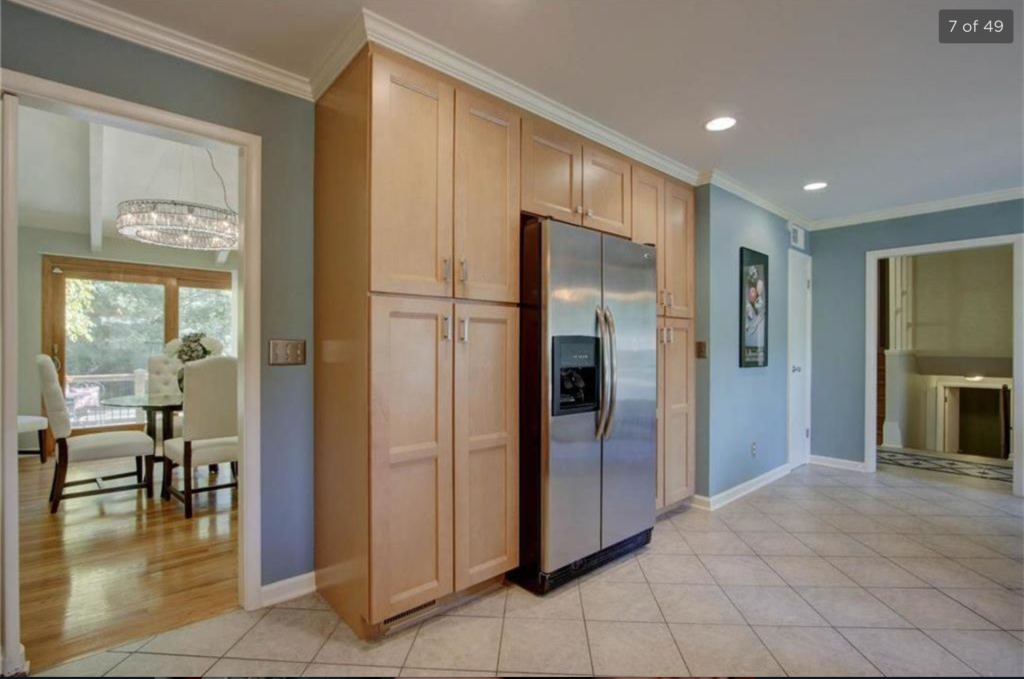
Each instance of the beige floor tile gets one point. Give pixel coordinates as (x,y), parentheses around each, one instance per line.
(775,544)
(855,523)
(415,672)
(322,670)
(942,572)
(1010,546)
(716,543)
(905,653)
(990,654)
(877,571)
(634,649)
(808,571)
(619,602)
(751,522)
(1000,607)
(907,525)
(674,569)
(892,544)
(724,651)
(741,570)
(133,646)
(821,652)
(312,601)
(626,569)
(212,637)
(154,665)
(667,540)
(234,667)
(930,609)
(851,607)
(706,604)
(1006,572)
(1019,635)
(561,604)
(90,666)
(774,606)
(835,544)
(697,521)
(457,643)
(558,646)
(286,634)
(488,605)
(803,523)
(345,648)
(955,546)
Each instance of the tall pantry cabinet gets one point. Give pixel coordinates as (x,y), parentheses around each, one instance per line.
(416,267)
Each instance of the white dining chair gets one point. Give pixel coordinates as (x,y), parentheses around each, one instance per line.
(163,381)
(100,446)
(210,427)
(34,423)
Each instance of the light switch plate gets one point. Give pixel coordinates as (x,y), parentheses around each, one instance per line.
(287,352)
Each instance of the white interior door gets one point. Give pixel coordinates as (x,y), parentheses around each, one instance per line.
(799,358)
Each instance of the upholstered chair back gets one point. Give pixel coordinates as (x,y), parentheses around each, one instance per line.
(53,397)
(163,375)
(211,398)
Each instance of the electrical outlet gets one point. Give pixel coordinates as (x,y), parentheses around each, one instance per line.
(753,449)
(702,349)
(287,352)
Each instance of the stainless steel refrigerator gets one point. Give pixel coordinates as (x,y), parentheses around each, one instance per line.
(588,388)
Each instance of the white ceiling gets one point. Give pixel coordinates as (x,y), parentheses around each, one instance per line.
(858,93)
(54,163)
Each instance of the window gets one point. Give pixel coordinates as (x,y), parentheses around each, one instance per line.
(103,320)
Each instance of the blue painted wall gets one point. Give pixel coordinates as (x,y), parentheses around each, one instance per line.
(837,419)
(738,406)
(50,48)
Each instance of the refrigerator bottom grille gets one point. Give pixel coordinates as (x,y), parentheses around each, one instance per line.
(542,583)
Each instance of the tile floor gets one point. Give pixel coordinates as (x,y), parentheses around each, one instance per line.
(824,572)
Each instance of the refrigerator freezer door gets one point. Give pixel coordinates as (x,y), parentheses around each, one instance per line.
(630,449)
(571,473)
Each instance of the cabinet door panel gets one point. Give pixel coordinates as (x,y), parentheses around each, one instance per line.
(552,178)
(411,187)
(659,489)
(606,191)
(411,454)
(486,198)
(678,410)
(649,219)
(486,442)
(678,245)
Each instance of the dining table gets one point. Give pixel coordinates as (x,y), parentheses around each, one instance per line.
(166,404)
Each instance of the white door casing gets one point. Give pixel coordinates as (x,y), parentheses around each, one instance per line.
(799,351)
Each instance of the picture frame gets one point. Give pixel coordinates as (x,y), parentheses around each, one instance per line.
(753,311)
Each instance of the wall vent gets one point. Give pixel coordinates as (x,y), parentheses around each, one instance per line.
(411,611)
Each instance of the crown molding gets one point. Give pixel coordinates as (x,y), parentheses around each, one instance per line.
(169,41)
(400,39)
(725,181)
(921,208)
(339,56)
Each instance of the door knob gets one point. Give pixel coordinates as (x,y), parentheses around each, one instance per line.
(797,369)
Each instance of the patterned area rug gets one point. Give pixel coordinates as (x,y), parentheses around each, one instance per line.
(936,464)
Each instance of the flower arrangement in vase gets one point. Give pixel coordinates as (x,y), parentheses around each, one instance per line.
(190,347)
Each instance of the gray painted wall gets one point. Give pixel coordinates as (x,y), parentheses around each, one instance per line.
(50,48)
(738,406)
(837,411)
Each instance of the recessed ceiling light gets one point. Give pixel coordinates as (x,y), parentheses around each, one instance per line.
(815,186)
(720,124)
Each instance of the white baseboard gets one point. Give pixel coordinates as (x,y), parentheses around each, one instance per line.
(736,492)
(837,463)
(285,590)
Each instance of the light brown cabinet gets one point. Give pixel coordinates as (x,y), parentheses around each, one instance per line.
(574,180)
(677,251)
(486,442)
(411,480)
(486,198)
(411,189)
(676,436)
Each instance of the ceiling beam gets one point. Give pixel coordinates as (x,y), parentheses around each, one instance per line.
(95,187)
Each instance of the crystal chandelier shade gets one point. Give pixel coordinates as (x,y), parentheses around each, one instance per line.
(180,224)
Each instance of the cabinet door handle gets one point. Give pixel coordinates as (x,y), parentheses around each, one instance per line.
(446,328)
(670,297)
(590,213)
(464,332)
(446,267)
(579,209)
(464,274)
(671,335)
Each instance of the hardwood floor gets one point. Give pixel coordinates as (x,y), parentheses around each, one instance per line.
(109,569)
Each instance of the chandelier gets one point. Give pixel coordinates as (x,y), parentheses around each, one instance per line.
(180,224)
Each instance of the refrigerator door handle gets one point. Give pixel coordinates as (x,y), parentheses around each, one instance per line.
(602,413)
(613,372)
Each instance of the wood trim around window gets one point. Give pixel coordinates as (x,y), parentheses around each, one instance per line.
(171,277)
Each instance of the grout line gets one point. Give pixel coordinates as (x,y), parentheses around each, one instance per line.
(586,629)
(657,603)
(501,635)
(408,652)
